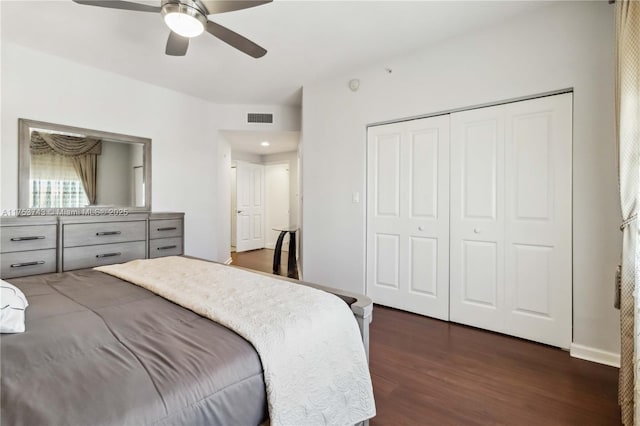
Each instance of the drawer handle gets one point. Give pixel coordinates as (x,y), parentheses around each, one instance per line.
(20,265)
(167,247)
(27,238)
(168,228)
(99,256)
(108,233)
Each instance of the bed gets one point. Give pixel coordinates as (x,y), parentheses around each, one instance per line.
(159,363)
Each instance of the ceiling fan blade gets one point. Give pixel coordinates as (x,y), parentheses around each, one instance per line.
(222,6)
(176,45)
(235,40)
(117,4)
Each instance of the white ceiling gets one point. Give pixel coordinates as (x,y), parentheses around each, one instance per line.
(249,141)
(306,41)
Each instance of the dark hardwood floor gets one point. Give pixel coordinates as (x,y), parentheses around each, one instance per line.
(259,260)
(431,372)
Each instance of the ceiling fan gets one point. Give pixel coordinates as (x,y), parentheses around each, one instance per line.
(188,18)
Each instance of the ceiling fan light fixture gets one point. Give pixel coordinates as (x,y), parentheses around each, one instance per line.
(184,20)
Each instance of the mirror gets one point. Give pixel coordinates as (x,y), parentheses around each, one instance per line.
(64,167)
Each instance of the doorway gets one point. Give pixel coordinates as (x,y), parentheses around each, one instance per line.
(266,176)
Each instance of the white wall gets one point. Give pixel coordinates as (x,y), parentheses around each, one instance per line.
(234,206)
(294,191)
(246,156)
(277,202)
(190,162)
(223,201)
(43,87)
(569,44)
(114,174)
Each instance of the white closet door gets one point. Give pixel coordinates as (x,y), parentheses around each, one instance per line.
(477,217)
(538,219)
(408,216)
(511,219)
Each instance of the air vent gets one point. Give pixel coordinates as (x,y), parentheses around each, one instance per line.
(256,117)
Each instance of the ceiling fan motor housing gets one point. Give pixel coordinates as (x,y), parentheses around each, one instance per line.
(193,4)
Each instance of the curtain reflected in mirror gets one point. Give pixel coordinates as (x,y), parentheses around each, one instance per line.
(54,182)
(61,167)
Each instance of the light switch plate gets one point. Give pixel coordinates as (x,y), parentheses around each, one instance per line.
(355,197)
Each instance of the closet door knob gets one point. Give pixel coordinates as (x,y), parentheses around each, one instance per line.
(421,228)
(476,230)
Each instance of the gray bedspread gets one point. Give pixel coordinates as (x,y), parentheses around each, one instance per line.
(99,350)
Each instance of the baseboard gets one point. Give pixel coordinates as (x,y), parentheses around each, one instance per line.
(229,261)
(595,355)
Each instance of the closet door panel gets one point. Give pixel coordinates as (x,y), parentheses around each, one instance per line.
(480,273)
(531,280)
(387,185)
(387,252)
(477,221)
(423,277)
(423,176)
(538,219)
(384,237)
(408,216)
(480,170)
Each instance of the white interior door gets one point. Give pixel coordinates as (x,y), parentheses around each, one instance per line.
(250,206)
(277,202)
(477,217)
(538,260)
(511,219)
(408,215)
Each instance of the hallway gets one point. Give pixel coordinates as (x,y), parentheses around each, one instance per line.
(259,260)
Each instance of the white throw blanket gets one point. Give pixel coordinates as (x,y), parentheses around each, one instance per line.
(315,367)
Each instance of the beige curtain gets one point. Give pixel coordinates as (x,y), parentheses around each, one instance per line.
(628,139)
(82,150)
(85,166)
(42,142)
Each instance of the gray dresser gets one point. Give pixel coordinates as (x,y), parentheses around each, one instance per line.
(166,234)
(38,245)
(28,246)
(89,241)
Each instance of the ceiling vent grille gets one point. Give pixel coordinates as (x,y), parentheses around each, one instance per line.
(257,117)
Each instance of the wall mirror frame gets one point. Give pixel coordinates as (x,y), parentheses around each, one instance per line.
(25,127)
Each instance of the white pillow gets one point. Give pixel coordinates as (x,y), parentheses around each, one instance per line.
(13,304)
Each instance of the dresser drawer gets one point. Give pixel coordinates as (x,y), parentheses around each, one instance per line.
(85,234)
(103,254)
(22,263)
(165,247)
(165,228)
(29,237)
